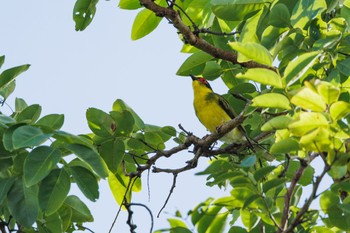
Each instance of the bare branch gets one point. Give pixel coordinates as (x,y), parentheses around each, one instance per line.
(170,192)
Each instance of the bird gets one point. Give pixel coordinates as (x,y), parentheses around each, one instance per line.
(213,110)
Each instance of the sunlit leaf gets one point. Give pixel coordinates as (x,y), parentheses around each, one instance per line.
(285,146)
(305,11)
(328,92)
(100,122)
(235,10)
(318,140)
(297,68)
(119,105)
(252,51)
(279,122)
(306,122)
(339,110)
(308,99)
(145,22)
(271,100)
(129,4)
(263,76)
(279,16)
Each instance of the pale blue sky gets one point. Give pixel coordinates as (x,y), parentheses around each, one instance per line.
(72,71)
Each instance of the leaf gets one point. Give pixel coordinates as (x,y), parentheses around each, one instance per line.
(53,223)
(317,140)
(80,212)
(339,216)
(2,60)
(117,185)
(28,136)
(193,62)
(248,161)
(30,114)
(113,153)
(344,66)
(5,186)
(252,51)
(309,99)
(119,105)
(8,89)
(306,122)
(129,4)
(235,10)
(279,122)
(262,172)
(20,104)
(178,226)
(297,68)
(10,74)
(38,164)
(271,100)
(124,122)
(218,224)
(51,121)
(145,22)
(210,215)
(263,76)
(86,182)
(91,157)
(169,130)
(53,190)
(279,16)
(274,183)
(283,146)
(100,122)
(329,92)
(339,109)
(305,11)
(83,13)
(248,219)
(23,203)
(338,172)
(212,70)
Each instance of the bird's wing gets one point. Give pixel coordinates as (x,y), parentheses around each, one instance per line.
(226,106)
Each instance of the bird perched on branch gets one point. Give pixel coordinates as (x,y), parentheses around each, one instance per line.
(213,111)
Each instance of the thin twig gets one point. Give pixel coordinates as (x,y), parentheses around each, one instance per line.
(169,195)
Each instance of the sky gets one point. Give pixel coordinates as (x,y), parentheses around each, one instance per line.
(72,71)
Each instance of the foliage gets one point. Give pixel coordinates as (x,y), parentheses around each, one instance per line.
(298,112)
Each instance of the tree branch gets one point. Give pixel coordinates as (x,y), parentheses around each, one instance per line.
(190,37)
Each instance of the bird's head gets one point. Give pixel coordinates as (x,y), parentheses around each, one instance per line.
(200,82)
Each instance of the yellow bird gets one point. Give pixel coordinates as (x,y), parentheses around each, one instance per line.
(213,110)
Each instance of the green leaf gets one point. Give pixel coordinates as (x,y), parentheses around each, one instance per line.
(212,70)
(305,11)
(339,216)
(129,4)
(91,157)
(306,122)
(263,76)
(236,229)
(81,212)
(210,215)
(83,13)
(318,140)
(54,190)
(252,51)
(8,89)
(30,114)
(178,226)
(279,122)
(10,74)
(286,145)
(118,184)
(319,229)
(20,104)
(271,100)
(193,63)
(113,153)
(51,121)
(339,109)
(338,172)
(274,183)
(65,213)
(28,136)
(309,99)
(23,203)
(5,185)
(145,22)
(169,130)
(279,16)
(218,224)
(119,105)
(262,172)
(297,68)
(124,122)
(329,92)
(100,122)
(248,219)
(39,163)
(86,182)
(344,66)
(2,60)
(7,137)
(53,223)
(235,10)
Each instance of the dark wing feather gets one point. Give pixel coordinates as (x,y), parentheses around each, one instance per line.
(226,106)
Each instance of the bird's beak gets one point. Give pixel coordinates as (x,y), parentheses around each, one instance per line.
(193,77)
